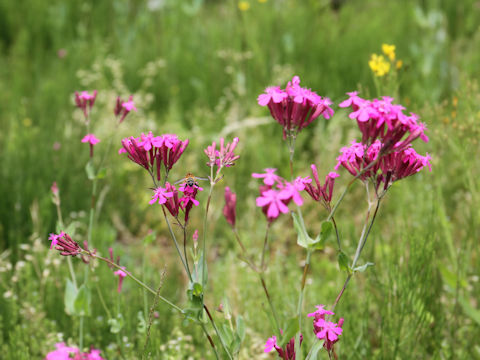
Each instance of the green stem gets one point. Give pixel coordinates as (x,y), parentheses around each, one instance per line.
(299,354)
(212,344)
(143,285)
(80,334)
(270,302)
(176,244)
(105,307)
(265,244)
(217,332)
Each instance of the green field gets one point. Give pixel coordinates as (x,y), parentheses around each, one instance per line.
(195,68)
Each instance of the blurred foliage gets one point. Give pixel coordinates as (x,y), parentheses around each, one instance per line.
(195,68)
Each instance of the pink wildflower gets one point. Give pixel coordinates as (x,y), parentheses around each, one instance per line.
(64,244)
(173,203)
(381,119)
(195,238)
(269,177)
(229,208)
(151,151)
(329,331)
(54,188)
(63,352)
(121,274)
(288,352)
(317,315)
(322,192)
(272,202)
(85,101)
(92,140)
(188,199)
(293,189)
(161,196)
(295,107)
(224,157)
(123,108)
(54,239)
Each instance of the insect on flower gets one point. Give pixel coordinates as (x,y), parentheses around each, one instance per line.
(190,180)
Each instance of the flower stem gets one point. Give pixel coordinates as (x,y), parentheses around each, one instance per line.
(300,305)
(361,243)
(217,332)
(130,275)
(212,344)
(270,302)
(176,244)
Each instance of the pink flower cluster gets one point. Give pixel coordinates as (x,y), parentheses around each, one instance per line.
(385,150)
(391,167)
(327,330)
(287,353)
(64,244)
(64,352)
(224,157)
(85,101)
(294,107)
(151,151)
(321,192)
(168,196)
(277,193)
(123,108)
(381,119)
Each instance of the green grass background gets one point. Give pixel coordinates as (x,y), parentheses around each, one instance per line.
(195,68)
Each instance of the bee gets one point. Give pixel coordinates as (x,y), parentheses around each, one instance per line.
(190,180)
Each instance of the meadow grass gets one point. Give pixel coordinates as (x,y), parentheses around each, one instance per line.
(195,68)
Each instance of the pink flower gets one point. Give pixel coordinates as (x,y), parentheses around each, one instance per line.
(322,192)
(90,138)
(54,239)
(64,244)
(381,119)
(121,274)
(161,196)
(173,203)
(85,101)
(269,177)
(295,107)
(270,344)
(288,352)
(62,352)
(224,157)
(195,238)
(150,151)
(272,203)
(229,208)
(54,188)
(123,108)
(188,199)
(317,315)
(329,331)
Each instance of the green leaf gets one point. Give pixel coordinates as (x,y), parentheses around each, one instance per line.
(69,297)
(289,331)
(235,346)
(90,170)
(302,236)
(326,231)
(102,173)
(142,324)
(82,301)
(199,272)
(473,313)
(226,334)
(241,327)
(227,310)
(364,267)
(343,262)
(116,324)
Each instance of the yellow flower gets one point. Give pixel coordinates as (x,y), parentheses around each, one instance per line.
(399,64)
(262,1)
(243,5)
(455,101)
(389,50)
(379,65)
